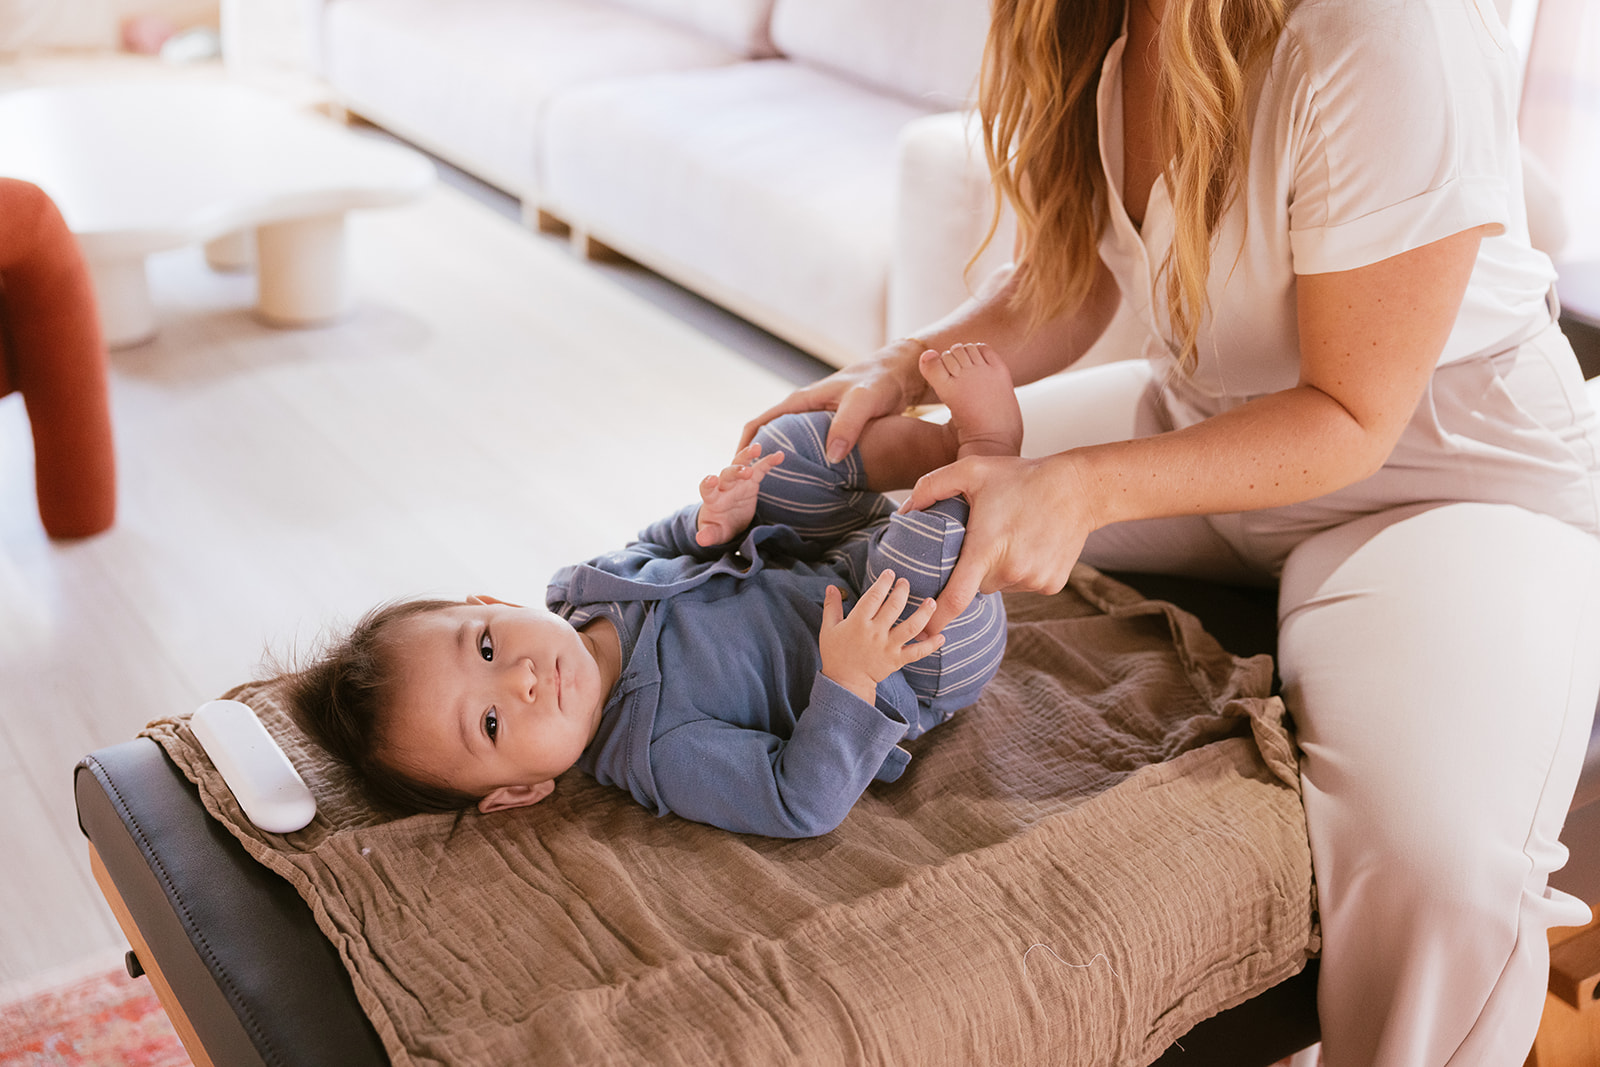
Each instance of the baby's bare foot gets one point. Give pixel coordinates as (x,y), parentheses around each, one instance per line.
(975,384)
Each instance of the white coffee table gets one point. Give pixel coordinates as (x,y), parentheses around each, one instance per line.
(144,167)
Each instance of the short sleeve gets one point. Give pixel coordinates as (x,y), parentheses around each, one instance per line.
(1403,129)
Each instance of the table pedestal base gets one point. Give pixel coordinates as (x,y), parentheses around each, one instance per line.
(300,271)
(123,294)
(300,278)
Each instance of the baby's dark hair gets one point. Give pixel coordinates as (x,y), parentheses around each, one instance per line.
(344,699)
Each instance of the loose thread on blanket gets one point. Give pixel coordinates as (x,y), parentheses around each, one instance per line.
(1075,966)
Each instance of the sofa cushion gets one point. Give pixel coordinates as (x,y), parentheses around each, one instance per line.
(742,25)
(469,80)
(769,186)
(929,53)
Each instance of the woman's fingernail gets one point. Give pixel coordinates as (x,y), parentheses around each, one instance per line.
(837,451)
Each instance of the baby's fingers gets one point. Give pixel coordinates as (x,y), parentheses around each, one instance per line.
(918,649)
(743,471)
(913,624)
(874,595)
(895,602)
(832,607)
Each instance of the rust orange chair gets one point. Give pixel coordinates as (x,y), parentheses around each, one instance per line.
(52,353)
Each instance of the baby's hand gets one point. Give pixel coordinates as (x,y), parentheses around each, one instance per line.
(728,499)
(863,649)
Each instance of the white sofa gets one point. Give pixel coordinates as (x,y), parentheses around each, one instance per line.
(804,163)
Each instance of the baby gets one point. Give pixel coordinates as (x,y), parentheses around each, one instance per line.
(752,662)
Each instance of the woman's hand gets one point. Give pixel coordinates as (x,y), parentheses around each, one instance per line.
(1029,519)
(863,648)
(887,384)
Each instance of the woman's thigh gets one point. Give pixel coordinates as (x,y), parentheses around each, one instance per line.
(1396,629)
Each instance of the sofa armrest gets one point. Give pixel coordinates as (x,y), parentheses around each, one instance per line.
(945,207)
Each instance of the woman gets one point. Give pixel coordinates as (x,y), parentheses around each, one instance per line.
(1356,389)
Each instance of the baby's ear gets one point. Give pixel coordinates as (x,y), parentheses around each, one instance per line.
(515,796)
(483,598)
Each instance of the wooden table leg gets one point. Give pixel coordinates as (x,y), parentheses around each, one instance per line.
(1569,1036)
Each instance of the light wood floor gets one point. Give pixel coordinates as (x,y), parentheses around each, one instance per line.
(492,408)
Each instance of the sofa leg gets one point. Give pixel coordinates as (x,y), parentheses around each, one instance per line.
(1569,1032)
(591,248)
(537,218)
(336,111)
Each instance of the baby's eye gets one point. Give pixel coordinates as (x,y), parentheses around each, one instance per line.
(486,646)
(491,724)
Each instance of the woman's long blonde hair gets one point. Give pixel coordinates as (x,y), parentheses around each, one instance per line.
(1036,97)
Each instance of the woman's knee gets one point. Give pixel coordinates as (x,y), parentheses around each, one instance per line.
(1425,838)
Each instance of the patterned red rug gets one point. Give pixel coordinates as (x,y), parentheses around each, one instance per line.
(105,1019)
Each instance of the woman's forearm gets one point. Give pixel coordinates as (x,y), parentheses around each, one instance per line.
(1279,449)
(888,382)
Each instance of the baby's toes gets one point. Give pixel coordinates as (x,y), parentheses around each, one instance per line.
(978,357)
(936,368)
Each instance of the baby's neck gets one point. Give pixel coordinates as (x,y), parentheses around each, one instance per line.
(600,634)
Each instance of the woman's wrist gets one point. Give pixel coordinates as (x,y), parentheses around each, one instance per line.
(904,360)
(1074,472)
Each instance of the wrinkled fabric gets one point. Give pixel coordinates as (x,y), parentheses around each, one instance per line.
(1108,848)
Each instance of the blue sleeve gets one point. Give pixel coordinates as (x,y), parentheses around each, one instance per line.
(674,536)
(754,782)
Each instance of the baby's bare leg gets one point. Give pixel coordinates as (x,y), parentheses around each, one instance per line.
(895,452)
(975,384)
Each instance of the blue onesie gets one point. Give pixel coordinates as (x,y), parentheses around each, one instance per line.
(721,713)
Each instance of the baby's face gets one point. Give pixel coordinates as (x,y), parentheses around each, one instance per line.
(494,700)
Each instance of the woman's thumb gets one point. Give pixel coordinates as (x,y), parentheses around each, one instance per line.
(848,422)
(931,488)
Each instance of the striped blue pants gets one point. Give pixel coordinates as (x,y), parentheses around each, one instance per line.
(829,503)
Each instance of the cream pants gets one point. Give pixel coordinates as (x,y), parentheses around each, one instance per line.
(1439,643)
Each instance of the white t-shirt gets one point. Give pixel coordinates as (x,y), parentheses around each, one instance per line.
(1380,126)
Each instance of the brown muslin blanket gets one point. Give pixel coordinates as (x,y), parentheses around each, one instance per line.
(1108,848)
